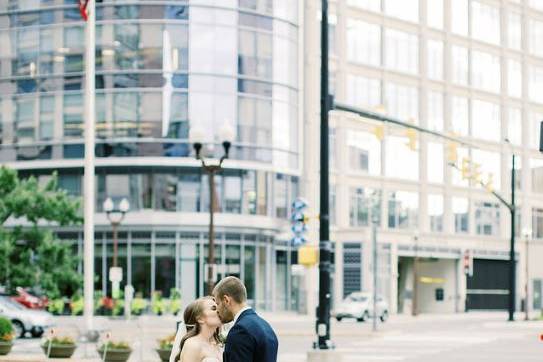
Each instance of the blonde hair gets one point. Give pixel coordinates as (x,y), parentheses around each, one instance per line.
(191,315)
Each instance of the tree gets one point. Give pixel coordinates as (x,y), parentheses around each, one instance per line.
(29,253)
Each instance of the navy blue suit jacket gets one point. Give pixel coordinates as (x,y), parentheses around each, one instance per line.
(251,339)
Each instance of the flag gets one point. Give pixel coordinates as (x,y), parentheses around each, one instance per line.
(83,9)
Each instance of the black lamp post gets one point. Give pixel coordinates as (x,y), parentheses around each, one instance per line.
(197,137)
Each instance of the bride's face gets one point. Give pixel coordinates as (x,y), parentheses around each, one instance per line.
(210,316)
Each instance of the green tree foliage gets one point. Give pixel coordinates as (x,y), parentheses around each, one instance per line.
(29,253)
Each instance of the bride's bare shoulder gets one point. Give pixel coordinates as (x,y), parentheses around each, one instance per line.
(192,349)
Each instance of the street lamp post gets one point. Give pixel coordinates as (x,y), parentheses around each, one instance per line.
(115,217)
(527,233)
(414,303)
(197,138)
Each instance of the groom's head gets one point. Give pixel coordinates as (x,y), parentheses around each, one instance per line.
(231,296)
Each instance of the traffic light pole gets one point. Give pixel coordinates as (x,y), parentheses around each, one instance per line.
(325,246)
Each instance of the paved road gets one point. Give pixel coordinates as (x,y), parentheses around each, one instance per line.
(462,337)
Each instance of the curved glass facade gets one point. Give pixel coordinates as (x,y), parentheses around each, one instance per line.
(161,68)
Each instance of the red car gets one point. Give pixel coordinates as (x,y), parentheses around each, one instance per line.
(28,300)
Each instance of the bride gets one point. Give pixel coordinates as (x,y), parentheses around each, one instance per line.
(201,341)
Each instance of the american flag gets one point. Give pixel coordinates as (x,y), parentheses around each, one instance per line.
(83,9)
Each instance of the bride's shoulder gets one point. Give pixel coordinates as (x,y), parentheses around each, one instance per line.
(192,346)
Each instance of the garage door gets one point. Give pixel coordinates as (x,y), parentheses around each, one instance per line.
(488,288)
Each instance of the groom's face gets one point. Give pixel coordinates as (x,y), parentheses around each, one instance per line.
(223,308)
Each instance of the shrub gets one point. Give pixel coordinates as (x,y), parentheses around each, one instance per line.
(115,345)
(65,341)
(167,342)
(7,333)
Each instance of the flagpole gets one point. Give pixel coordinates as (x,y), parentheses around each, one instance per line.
(88,178)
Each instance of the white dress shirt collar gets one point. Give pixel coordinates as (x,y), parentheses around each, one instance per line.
(239,313)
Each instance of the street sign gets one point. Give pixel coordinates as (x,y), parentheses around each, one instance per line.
(298,228)
(298,240)
(298,222)
(299,204)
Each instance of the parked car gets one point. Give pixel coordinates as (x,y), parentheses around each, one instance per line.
(25,320)
(359,305)
(29,300)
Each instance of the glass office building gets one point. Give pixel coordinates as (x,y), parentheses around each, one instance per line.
(162,67)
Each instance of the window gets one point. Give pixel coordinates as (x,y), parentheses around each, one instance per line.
(514,31)
(460,65)
(403,210)
(73,115)
(280,196)
(47,117)
(363,92)
(435,212)
(364,204)
(24,121)
(401,161)
(255,54)
(435,59)
(403,9)
(487,218)
(232,193)
(485,22)
(434,13)
(460,115)
(535,37)
(402,50)
(435,162)
(459,17)
(254,120)
(363,42)
(261,6)
(249,192)
(373,5)
(485,120)
(514,126)
(402,101)
(537,223)
(485,71)
(514,75)
(460,207)
(536,171)
(535,85)
(435,110)
(188,192)
(364,152)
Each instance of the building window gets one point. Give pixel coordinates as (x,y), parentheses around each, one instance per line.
(24,120)
(460,207)
(232,193)
(435,110)
(403,210)
(402,101)
(490,166)
(460,115)
(401,161)
(514,30)
(459,17)
(255,54)
(434,13)
(485,120)
(435,212)
(363,42)
(537,223)
(47,117)
(403,9)
(364,152)
(535,85)
(487,218)
(364,203)
(435,59)
(363,92)
(402,51)
(514,75)
(536,170)
(373,5)
(485,71)
(281,196)
(535,37)
(485,22)
(514,126)
(460,67)
(435,162)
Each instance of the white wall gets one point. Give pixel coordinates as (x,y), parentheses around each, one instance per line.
(441,269)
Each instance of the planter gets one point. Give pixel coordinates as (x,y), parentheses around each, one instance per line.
(164,354)
(59,350)
(115,355)
(5,347)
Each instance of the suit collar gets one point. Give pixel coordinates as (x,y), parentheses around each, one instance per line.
(243,312)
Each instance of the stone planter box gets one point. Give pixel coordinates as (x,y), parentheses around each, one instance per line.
(5,347)
(115,355)
(164,354)
(59,350)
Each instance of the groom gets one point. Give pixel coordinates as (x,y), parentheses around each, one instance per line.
(251,339)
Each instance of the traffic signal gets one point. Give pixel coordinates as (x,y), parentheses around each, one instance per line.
(476,172)
(490,183)
(379,132)
(452,152)
(466,168)
(412,139)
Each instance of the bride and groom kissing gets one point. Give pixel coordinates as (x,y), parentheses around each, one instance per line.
(250,339)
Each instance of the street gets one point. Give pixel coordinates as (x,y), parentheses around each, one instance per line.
(454,337)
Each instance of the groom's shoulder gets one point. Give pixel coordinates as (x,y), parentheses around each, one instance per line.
(252,320)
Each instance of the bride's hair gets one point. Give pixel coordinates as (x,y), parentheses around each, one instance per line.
(191,315)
